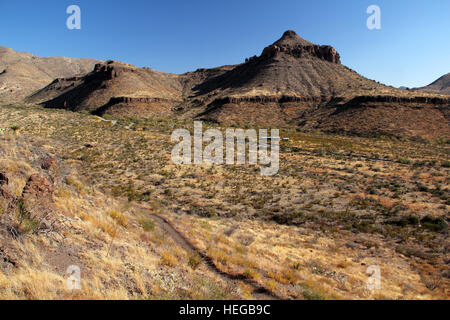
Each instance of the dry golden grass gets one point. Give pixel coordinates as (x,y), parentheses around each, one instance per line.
(102,236)
(310,260)
(169,259)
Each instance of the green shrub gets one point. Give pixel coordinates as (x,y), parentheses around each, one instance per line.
(15,128)
(147,224)
(310,294)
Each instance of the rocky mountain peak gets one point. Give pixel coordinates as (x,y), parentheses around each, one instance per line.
(293,45)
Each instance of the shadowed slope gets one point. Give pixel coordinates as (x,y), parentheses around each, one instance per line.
(23,73)
(440,86)
(108,80)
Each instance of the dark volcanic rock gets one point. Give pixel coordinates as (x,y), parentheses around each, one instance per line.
(7,197)
(293,82)
(48,162)
(38,186)
(3,178)
(5,191)
(38,200)
(298,47)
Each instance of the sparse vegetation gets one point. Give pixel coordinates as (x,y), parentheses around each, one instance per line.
(169,259)
(309,232)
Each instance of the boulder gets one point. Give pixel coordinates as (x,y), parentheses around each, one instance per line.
(38,186)
(48,162)
(4,180)
(37,197)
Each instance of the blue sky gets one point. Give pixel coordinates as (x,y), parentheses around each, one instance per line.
(412,48)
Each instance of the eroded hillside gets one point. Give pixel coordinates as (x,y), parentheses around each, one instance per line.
(21,74)
(293,82)
(338,205)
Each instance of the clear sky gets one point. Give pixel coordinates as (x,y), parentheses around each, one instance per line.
(411,49)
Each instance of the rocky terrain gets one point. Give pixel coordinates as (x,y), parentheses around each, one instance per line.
(292,83)
(22,73)
(108,81)
(78,190)
(363,181)
(440,86)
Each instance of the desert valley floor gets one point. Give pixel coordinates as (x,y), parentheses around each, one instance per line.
(141,227)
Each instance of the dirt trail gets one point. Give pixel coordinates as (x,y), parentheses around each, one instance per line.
(258,292)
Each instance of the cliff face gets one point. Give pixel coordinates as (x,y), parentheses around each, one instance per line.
(143,107)
(293,45)
(109,80)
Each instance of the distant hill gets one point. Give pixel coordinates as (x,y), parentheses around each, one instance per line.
(440,86)
(23,73)
(111,80)
(292,83)
(295,82)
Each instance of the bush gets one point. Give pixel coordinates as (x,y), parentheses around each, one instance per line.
(169,259)
(194,261)
(434,224)
(271,285)
(404,161)
(119,218)
(403,222)
(310,294)
(147,224)
(26,223)
(296,266)
(252,274)
(445,164)
(15,128)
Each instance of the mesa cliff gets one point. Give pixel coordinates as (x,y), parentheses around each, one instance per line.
(293,82)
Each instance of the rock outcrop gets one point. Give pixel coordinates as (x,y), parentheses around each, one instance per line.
(293,82)
(37,197)
(293,45)
(48,162)
(37,187)
(22,73)
(108,80)
(7,197)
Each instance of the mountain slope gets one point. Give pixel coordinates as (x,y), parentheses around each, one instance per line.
(440,86)
(23,73)
(295,82)
(292,83)
(108,80)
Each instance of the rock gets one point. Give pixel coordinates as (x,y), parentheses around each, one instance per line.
(48,162)
(293,45)
(351,245)
(7,198)
(37,197)
(5,191)
(4,180)
(38,186)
